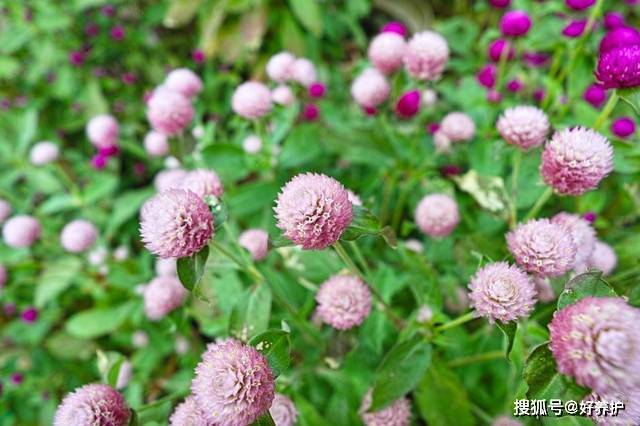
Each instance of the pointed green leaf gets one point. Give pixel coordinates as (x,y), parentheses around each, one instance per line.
(584,285)
(543,380)
(509,329)
(191,269)
(275,346)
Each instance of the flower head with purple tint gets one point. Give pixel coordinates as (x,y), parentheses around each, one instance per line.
(623,127)
(619,68)
(409,104)
(437,215)
(515,23)
(344,301)
(91,405)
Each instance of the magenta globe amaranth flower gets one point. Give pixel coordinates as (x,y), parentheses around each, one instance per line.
(168,111)
(184,81)
(233,384)
(251,100)
(595,95)
(437,215)
(623,127)
(515,23)
(603,257)
(500,4)
(317,90)
(21,231)
(619,37)
(574,28)
(497,49)
(103,130)
(29,315)
(304,72)
(162,295)
(156,144)
(502,292)
(542,248)
(93,405)
(613,20)
(514,85)
(596,340)
(175,223)
(256,241)
(370,88)
(394,27)
(78,236)
(44,152)
(386,52)
(619,68)
(523,126)
(458,127)
(583,234)
(344,301)
(398,413)
(76,57)
(575,160)
(187,413)
(426,55)
(409,104)
(203,182)
(313,210)
(99,161)
(198,56)
(280,67)
(487,76)
(310,112)
(117,33)
(283,411)
(579,4)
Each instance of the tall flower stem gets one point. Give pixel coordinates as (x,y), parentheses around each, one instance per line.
(360,258)
(607,110)
(472,359)
(542,200)
(517,161)
(456,322)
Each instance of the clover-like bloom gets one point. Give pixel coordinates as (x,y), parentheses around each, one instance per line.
(603,257)
(44,153)
(187,413)
(256,241)
(169,179)
(252,144)
(304,72)
(437,215)
(93,405)
(370,88)
(515,23)
(313,210)
(282,95)
(619,37)
(543,248)
(156,144)
(623,127)
(280,67)
(458,127)
(426,55)
(233,384)
(168,111)
(595,95)
(162,295)
(184,81)
(203,182)
(283,411)
(175,223)
(583,234)
(619,68)
(497,48)
(344,301)
(502,292)
(386,51)
(627,417)
(523,126)
(251,100)
(543,289)
(21,231)
(596,340)
(396,414)
(5,210)
(102,131)
(575,160)
(78,236)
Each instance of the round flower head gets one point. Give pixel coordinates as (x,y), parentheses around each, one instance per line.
(102,131)
(619,37)
(175,223)
(544,289)
(575,160)
(184,81)
(579,4)
(487,76)
(251,100)
(304,72)
(168,111)
(497,48)
(619,68)
(282,95)
(252,144)
(21,231)
(596,340)
(156,144)
(188,413)
(5,210)
(627,417)
(396,414)
(426,55)
(313,210)
(93,405)
(354,198)
(139,339)
(603,257)
(574,28)
(543,248)
(3,275)
(283,411)
(414,245)
(623,127)
(256,241)
(162,295)
(424,314)
(169,179)
(437,215)
(280,67)
(500,4)
(429,97)
(370,88)
(523,126)
(394,27)
(203,182)
(583,234)
(409,104)
(458,127)
(233,384)
(595,95)
(44,153)
(344,301)
(515,23)
(78,236)
(502,292)
(386,51)
(613,20)
(441,142)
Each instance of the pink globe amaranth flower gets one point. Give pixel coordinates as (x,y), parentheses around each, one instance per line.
(429,97)
(252,144)
(442,142)
(396,414)
(184,81)
(176,223)
(514,86)
(630,415)
(162,295)
(109,151)
(409,104)
(370,88)
(506,421)
(574,28)
(78,236)
(344,301)
(487,76)
(166,267)
(233,384)
(619,68)
(310,112)
(169,179)
(583,234)
(168,111)
(44,153)
(595,95)
(497,47)
(579,4)
(437,215)
(282,95)
(394,27)
(502,292)
(256,241)
(280,67)
(596,341)
(102,131)
(139,339)
(544,290)
(117,33)
(414,245)
(76,58)
(203,182)
(613,20)
(603,257)
(156,144)
(515,23)
(619,37)
(313,210)
(523,126)
(575,160)
(386,52)
(458,127)
(21,231)
(251,100)
(3,275)
(500,4)
(99,161)
(29,315)
(623,127)
(198,56)
(425,313)
(283,411)
(317,90)
(426,55)
(494,96)
(304,72)
(93,405)
(542,248)
(188,413)
(5,210)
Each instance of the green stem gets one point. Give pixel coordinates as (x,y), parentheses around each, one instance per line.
(481,414)
(472,359)
(517,161)
(360,258)
(456,322)
(544,197)
(162,400)
(249,269)
(397,212)
(606,111)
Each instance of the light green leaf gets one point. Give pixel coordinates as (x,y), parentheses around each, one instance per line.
(584,285)
(251,314)
(309,14)
(56,278)
(275,346)
(191,268)
(97,322)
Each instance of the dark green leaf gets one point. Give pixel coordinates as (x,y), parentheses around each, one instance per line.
(56,278)
(109,364)
(264,420)
(275,346)
(191,269)
(309,14)
(125,207)
(250,315)
(366,223)
(509,329)
(585,285)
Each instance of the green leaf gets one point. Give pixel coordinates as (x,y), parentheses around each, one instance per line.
(264,420)
(309,14)
(191,268)
(109,364)
(56,278)
(98,321)
(275,346)
(400,371)
(509,329)
(488,191)
(250,316)
(366,223)
(543,380)
(584,285)
(125,207)
(28,128)
(65,346)
(227,160)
